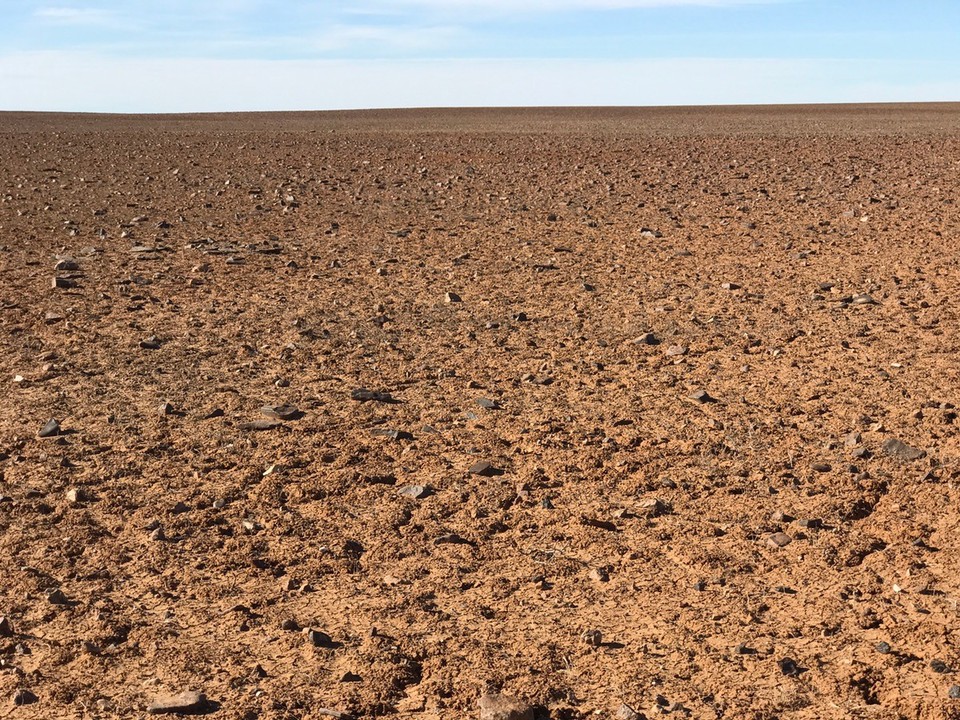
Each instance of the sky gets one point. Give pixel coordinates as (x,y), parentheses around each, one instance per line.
(150,56)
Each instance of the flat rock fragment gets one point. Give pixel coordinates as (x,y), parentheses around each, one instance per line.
(365,395)
(258,425)
(899,449)
(778,540)
(484,469)
(50,429)
(185,703)
(416,492)
(280,412)
(496,706)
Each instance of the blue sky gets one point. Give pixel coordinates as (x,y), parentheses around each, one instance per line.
(219,55)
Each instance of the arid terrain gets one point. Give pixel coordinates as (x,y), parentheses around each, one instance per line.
(621,413)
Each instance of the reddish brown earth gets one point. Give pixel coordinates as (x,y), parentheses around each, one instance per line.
(190,550)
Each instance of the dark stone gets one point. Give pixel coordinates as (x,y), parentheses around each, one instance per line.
(364,395)
(24,697)
(899,449)
(484,469)
(51,429)
(281,412)
(789,667)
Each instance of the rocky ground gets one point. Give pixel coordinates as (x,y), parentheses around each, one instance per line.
(619,413)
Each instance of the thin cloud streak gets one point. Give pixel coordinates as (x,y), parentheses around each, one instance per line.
(74,16)
(91,83)
(527,6)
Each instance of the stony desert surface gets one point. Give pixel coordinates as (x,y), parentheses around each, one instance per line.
(567,414)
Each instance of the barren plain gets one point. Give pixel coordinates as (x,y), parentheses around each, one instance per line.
(621,413)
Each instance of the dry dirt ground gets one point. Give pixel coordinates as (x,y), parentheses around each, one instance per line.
(797,265)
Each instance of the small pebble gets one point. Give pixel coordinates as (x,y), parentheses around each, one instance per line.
(789,667)
(883,647)
(593,638)
(57,597)
(318,638)
(452,297)
(483,468)
(778,540)
(416,492)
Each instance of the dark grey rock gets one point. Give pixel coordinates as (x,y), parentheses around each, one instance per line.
(24,697)
(484,469)
(280,412)
(318,638)
(899,449)
(365,395)
(51,429)
(789,667)
(62,283)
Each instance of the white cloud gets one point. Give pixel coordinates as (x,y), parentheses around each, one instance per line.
(74,16)
(520,6)
(87,82)
(383,37)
